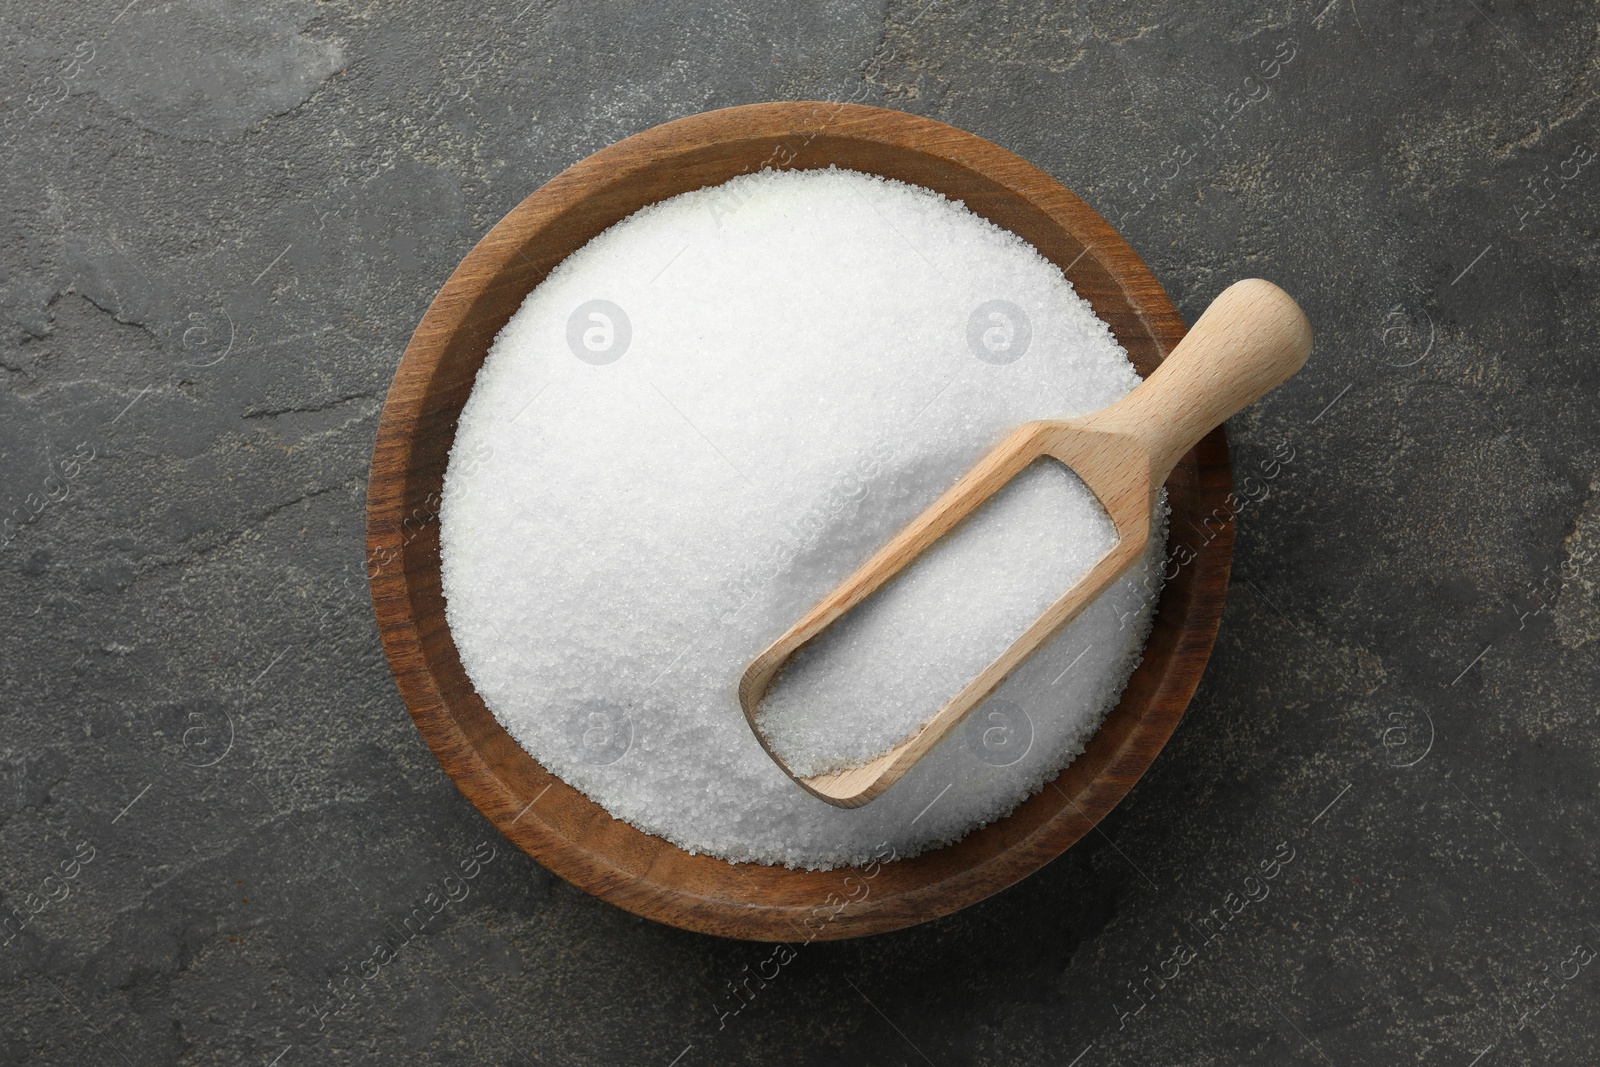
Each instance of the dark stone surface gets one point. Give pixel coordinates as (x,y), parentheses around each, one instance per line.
(223,220)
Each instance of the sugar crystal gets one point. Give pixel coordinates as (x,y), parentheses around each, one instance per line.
(702,421)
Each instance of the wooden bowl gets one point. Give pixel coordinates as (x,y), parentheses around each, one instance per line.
(567,832)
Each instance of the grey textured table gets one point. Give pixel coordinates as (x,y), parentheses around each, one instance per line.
(224,218)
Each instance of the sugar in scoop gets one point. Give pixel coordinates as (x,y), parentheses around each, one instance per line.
(883,669)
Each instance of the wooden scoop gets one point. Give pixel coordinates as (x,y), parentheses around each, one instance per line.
(1250,340)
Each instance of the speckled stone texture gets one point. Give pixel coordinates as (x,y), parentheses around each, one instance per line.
(1371,841)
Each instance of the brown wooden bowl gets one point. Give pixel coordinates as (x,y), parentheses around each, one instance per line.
(570,834)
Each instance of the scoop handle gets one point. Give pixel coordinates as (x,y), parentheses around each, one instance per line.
(1251,340)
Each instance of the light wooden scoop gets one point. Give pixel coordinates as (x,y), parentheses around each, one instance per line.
(1250,340)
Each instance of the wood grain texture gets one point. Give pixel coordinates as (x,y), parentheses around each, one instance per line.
(557,825)
(1251,339)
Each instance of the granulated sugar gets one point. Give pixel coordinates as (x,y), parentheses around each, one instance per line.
(700,423)
(883,669)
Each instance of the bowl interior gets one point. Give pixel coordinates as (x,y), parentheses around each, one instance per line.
(563,829)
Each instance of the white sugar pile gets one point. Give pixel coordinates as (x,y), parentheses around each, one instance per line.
(886,667)
(706,418)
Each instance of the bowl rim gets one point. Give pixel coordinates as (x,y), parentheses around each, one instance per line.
(646,875)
